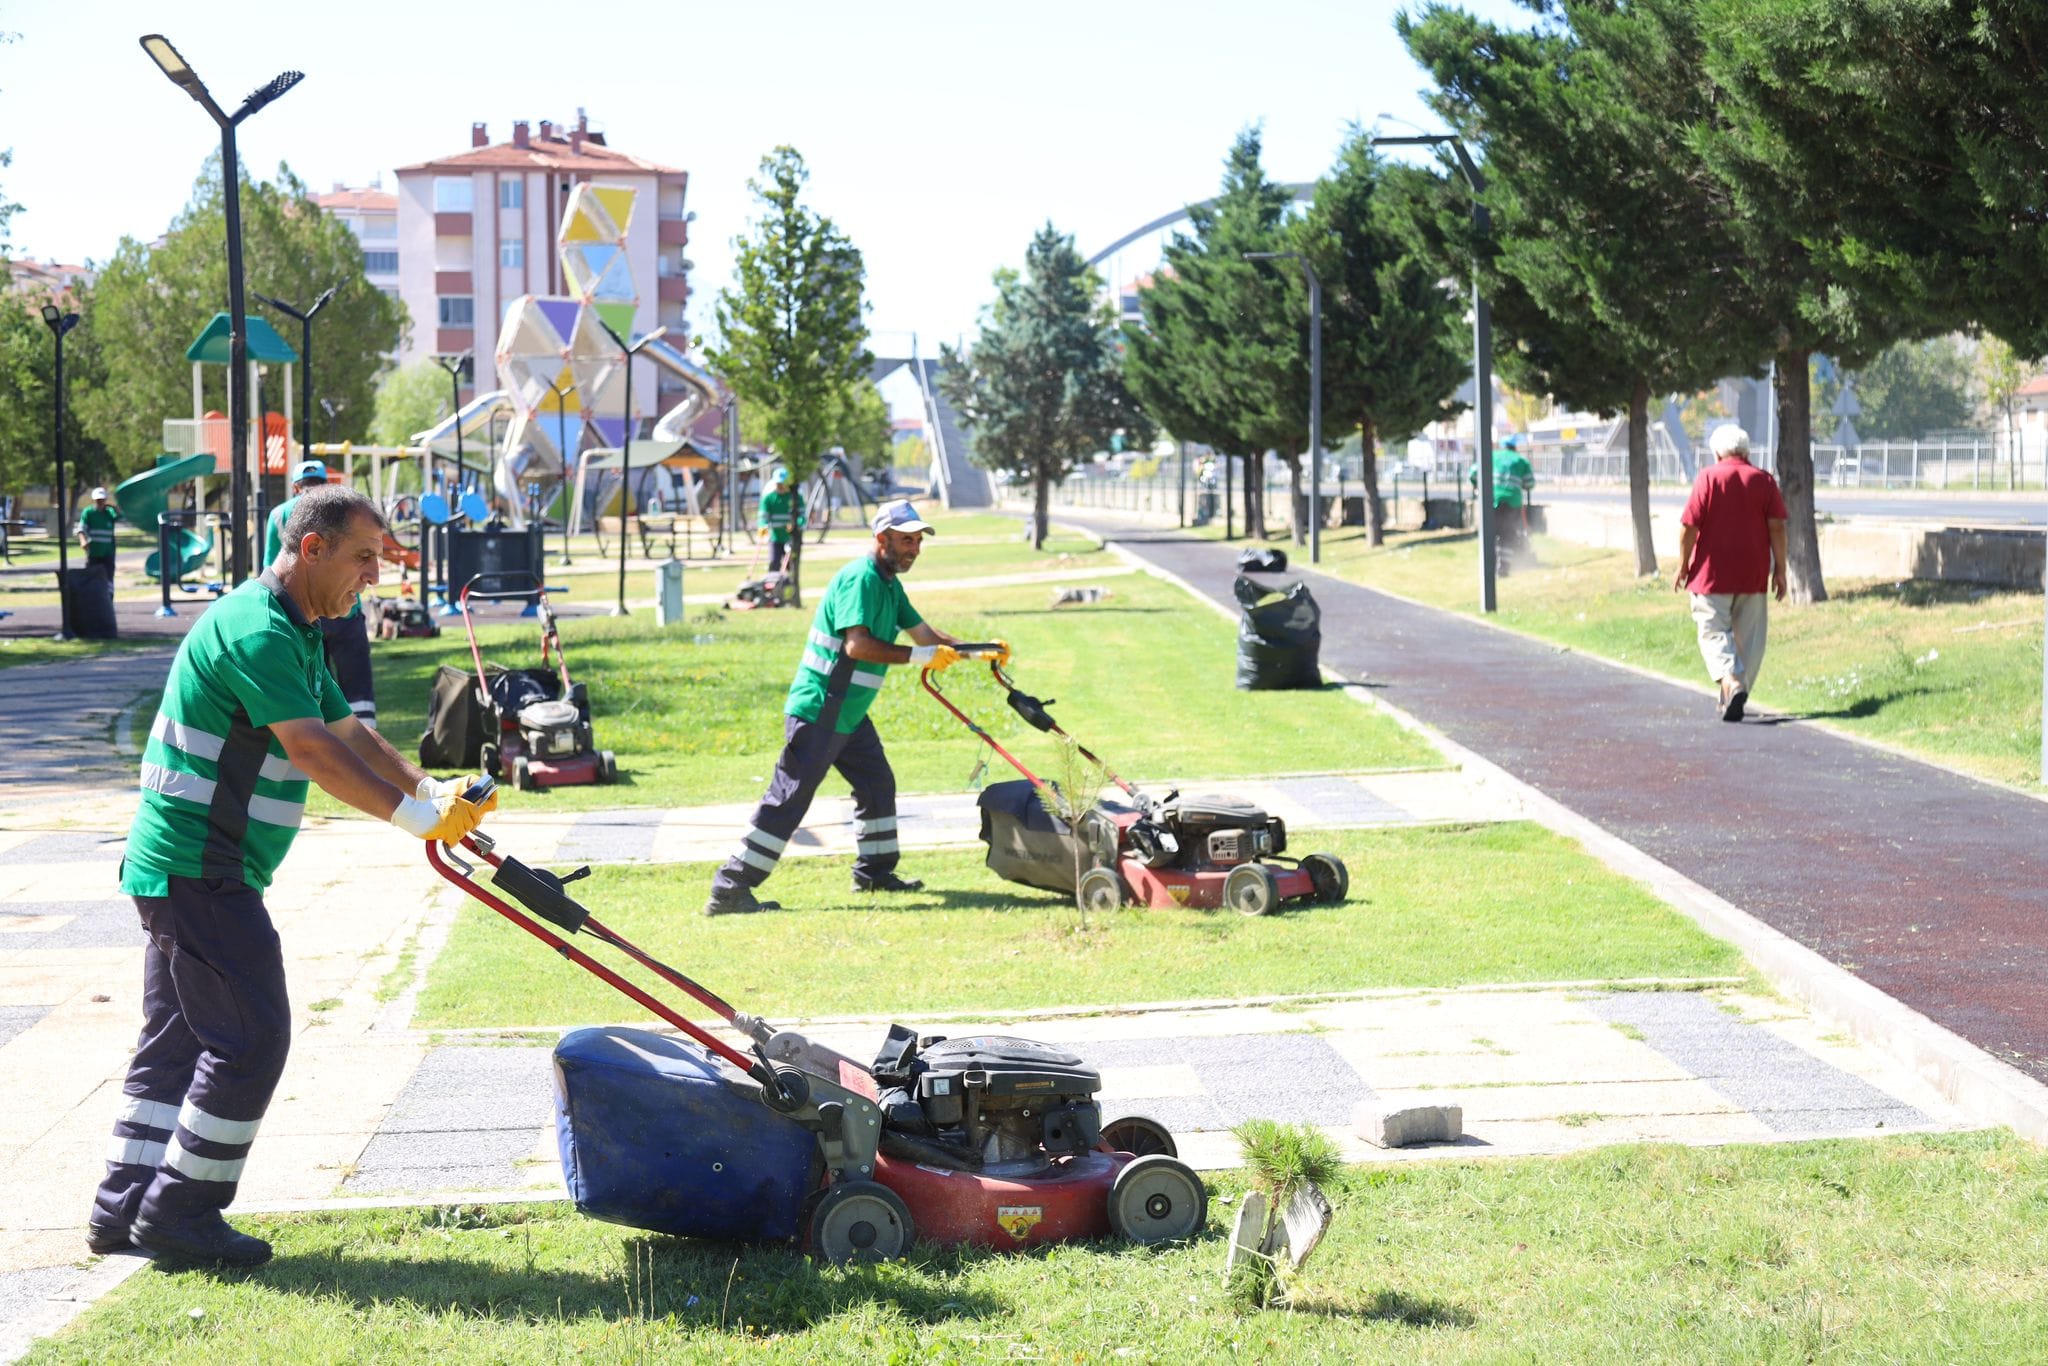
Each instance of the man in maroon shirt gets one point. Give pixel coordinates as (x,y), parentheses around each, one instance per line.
(1732,543)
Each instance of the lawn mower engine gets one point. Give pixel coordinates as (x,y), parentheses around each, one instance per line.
(770,590)
(404,619)
(984,1101)
(1202,851)
(543,741)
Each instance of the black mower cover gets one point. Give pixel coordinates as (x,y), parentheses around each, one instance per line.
(1279,638)
(1025,843)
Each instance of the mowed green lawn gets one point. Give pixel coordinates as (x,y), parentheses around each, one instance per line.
(1949,671)
(1918,1248)
(694,713)
(1433,907)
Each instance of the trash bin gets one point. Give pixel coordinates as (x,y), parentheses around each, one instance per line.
(668,593)
(1279,637)
(91,596)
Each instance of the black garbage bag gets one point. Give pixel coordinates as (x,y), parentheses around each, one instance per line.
(1279,637)
(1262,560)
(92,604)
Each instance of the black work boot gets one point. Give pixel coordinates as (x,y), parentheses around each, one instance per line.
(207,1239)
(103,1236)
(887,882)
(737,901)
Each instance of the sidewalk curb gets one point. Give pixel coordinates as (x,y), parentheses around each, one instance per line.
(1969,1078)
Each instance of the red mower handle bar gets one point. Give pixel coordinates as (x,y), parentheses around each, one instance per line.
(548,901)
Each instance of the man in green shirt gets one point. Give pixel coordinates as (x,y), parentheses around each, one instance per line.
(96,534)
(825,722)
(250,716)
(347,636)
(782,512)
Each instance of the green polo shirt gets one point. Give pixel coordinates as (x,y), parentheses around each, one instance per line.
(273,544)
(829,682)
(98,525)
(219,797)
(780,512)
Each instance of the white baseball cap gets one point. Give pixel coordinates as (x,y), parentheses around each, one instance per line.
(99,493)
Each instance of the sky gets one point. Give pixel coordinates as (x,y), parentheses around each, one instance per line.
(938,142)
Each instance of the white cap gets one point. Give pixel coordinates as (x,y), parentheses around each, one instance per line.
(99,493)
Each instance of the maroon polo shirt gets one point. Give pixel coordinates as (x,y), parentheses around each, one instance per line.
(1732,507)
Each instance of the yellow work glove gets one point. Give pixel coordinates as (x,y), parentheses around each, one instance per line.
(934,656)
(444,817)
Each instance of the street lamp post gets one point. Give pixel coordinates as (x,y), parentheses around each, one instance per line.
(305,359)
(1315,395)
(1482,355)
(186,79)
(562,445)
(626,450)
(59,323)
(454,365)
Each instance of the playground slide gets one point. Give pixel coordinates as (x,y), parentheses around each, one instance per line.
(475,419)
(143,496)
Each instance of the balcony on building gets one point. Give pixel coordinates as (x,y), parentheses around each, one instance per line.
(672,232)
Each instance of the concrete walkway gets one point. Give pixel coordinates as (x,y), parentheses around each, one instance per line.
(1929,885)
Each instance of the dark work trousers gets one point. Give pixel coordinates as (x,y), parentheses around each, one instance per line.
(216,1027)
(105,567)
(777,550)
(348,658)
(810,749)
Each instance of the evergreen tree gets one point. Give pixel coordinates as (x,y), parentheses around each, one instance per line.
(793,330)
(1913,388)
(1042,388)
(1394,347)
(1218,358)
(1600,219)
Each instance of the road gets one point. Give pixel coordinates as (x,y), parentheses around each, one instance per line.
(1949,509)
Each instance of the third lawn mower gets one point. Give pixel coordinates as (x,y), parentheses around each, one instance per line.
(1201,851)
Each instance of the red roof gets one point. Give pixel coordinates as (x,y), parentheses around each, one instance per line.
(363,201)
(549,154)
(2037,385)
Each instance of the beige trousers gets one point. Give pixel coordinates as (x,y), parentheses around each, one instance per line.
(1731,630)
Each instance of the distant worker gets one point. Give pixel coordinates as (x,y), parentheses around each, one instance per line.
(96,534)
(1731,542)
(782,513)
(250,719)
(347,637)
(826,725)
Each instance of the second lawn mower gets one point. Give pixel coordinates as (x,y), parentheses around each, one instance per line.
(1201,851)
(537,722)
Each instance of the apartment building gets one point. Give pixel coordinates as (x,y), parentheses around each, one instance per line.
(372,215)
(477,229)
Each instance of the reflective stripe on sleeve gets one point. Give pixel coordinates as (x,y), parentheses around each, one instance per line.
(829,644)
(279,769)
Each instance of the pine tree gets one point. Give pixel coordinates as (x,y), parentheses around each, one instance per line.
(1042,388)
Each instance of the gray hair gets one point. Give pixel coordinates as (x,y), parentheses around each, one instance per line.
(326,512)
(1728,439)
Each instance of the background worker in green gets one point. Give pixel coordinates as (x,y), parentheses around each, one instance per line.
(347,636)
(782,512)
(249,717)
(825,722)
(96,534)
(1514,480)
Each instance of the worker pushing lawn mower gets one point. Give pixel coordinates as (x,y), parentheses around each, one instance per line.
(1199,851)
(781,517)
(846,660)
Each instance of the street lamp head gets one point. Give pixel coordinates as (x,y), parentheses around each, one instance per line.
(264,94)
(321,302)
(51,314)
(173,65)
(57,320)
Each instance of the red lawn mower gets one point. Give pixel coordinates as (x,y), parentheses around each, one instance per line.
(1200,851)
(536,721)
(985,1140)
